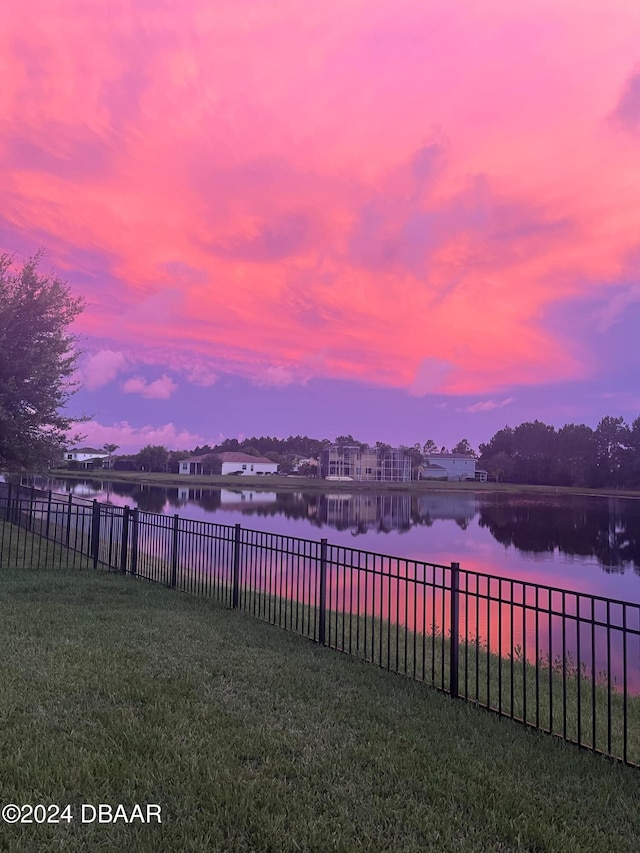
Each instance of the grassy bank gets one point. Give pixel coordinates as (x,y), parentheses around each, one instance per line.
(309,484)
(252,739)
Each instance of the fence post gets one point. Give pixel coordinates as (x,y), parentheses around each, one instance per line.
(322,615)
(455,631)
(124,546)
(95,533)
(134,541)
(174,552)
(31,501)
(48,515)
(235,583)
(7,512)
(70,504)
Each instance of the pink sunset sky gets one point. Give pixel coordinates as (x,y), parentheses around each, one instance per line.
(395,218)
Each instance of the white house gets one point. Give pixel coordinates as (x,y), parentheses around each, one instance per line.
(232,463)
(85,456)
(243,463)
(192,465)
(458,466)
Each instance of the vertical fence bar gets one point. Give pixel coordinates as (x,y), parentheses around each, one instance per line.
(174,551)
(7,514)
(322,614)
(48,525)
(124,545)
(134,541)
(68,534)
(95,533)
(235,594)
(455,640)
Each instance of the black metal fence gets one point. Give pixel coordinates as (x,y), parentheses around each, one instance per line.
(563,662)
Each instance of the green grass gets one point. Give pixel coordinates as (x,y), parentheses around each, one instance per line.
(252,739)
(23,548)
(553,698)
(563,702)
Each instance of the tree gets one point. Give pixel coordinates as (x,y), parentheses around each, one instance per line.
(612,440)
(576,452)
(37,360)
(212,464)
(463,447)
(153,457)
(110,449)
(429,447)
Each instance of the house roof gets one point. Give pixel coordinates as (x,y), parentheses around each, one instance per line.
(450,456)
(87,450)
(234,456)
(231,456)
(428,465)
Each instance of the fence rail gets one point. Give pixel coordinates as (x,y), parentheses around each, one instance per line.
(564,662)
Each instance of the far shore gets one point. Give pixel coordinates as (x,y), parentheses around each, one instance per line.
(310,484)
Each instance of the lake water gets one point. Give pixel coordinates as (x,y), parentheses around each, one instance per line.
(583,543)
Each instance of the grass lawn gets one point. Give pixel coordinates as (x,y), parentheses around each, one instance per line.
(252,739)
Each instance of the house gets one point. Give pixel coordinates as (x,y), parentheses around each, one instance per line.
(375,464)
(458,466)
(232,463)
(85,457)
(242,463)
(192,465)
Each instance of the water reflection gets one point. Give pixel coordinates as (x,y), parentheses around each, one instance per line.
(605,528)
(602,529)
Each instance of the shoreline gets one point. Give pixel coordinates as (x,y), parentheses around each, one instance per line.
(309,484)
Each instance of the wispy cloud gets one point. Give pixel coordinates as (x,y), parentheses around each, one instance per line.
(486,406)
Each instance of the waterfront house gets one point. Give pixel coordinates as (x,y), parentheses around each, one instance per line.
(369,464)
(232,463)
(457,466)
(85,457)
(243,463)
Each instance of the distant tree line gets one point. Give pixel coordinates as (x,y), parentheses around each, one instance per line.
(574,455)
(532,452)
(285,452)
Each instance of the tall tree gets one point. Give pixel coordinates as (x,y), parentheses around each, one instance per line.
(110,449)
(612,439)
(463,447)
(576,455)
(153,457)
(37,361)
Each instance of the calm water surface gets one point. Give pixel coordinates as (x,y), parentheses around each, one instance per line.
(585,543)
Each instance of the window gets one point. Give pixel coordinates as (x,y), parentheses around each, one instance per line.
(244,467)
(69,455)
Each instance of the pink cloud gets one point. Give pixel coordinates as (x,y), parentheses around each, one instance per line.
(299,188)
(159,389)
(130,439)
(101,368)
